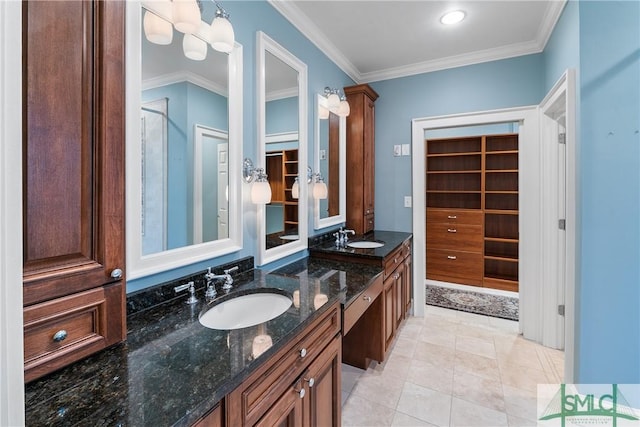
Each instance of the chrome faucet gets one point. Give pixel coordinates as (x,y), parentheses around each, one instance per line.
(192,292)
(210,278)
(341,237)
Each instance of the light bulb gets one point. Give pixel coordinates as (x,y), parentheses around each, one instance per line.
(186,16)
(344,110)
(453,17)
(261,192)
(333,101)
(295,189)
(156,29)
(194,48)
(320,190)
(323,113)
(222,37)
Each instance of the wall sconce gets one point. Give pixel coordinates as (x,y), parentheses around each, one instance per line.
(186,18)
(336,104)
(260,190)
(320,190)
(295,188)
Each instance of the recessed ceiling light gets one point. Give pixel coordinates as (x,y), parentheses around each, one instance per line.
(453,17)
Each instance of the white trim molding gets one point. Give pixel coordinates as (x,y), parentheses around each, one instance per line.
(11,325)
(184,76)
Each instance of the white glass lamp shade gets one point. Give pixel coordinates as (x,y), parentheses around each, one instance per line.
(156,29)
(222,36)
(186,16)
(320,190)
(295,189)
(194,48)
(261,343)
(296,299)
(261,192)
(333,101)
(344,109)
(323,113)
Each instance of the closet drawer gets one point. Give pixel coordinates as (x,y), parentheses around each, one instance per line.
(463,237)
(455,216)
(443,264)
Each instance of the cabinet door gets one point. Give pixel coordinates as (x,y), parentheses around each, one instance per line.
(287,411)
(398,286)
(369,159)
(323,381)
(389,311)
(73,178)
(407,285)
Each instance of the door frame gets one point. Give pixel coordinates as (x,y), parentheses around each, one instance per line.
(11,338)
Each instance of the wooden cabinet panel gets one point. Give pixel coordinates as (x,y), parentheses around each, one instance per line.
(73,178)
(447,263)
(389,312)
(460,236)
(323,379)
(407,286)
(215,418)
(258,393)
(361,158)
(287,411)
(357,308)
(455,216)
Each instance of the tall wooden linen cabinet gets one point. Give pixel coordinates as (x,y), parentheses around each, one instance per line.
(472,210)
(73,181)
(360,158)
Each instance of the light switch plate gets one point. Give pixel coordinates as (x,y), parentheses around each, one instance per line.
(406,150)
(407,201)
(323,154)
(397,150)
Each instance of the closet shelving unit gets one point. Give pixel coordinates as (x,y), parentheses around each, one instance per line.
(282,170)
(472,210)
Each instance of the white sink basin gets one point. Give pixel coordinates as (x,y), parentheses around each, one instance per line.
(245,310)
(365,245)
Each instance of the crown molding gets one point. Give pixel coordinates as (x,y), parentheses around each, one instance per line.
(281,94)
(184,76)
(310,30)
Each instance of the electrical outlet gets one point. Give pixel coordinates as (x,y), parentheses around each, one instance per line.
(407,201)
(406,150)
(397,150)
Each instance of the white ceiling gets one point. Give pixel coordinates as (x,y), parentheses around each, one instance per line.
(378,40)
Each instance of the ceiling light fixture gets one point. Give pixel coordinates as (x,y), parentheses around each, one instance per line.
(452,17)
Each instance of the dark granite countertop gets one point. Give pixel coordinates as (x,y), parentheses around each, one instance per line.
(172,370)
(391,240)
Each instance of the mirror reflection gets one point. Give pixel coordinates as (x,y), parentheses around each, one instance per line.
(184,145)
(281,151)
(329,161)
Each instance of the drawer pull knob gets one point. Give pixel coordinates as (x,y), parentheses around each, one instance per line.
(452,257)
(116,273)
(452,216)
(303,352)
(311,381)
(300,392)
(452,230)
(60,335)
(366,298)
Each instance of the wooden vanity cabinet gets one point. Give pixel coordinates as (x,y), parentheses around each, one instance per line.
(73,181)
(361,158)
(297,386)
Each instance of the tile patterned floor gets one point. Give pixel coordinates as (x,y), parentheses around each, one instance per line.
(452,369)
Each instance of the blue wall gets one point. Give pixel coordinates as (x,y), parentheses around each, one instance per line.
(500,84)
(609,298)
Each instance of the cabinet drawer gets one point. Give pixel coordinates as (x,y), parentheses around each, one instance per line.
(360,305)
(455,216)
(459,236)
(63,330)
(454,264)
(262,389)
(392,261)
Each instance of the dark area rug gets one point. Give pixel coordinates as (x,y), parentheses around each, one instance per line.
(473,302)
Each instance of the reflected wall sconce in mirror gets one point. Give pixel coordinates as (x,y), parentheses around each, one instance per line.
(336,104)
(295,188)
(162,16)
(260,189)
(320,190)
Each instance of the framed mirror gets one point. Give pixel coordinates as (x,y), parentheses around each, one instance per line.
(184,150)
(282,150)
(330,160)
